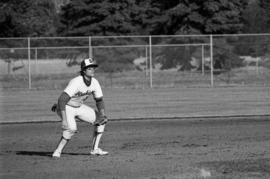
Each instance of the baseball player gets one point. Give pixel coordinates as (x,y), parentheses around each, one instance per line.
(71,106)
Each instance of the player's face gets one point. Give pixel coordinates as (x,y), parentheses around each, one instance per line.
(90,71)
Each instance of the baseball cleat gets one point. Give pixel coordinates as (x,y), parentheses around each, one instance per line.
(98,151)
(56,154)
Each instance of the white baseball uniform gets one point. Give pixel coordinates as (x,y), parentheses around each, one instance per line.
(79,92)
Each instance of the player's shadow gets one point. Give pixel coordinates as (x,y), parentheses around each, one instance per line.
(34,153)
(45,154)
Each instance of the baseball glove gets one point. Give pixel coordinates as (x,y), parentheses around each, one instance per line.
(54,107)
(101,120)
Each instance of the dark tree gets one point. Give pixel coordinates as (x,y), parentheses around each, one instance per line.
(21,18)
(100,17)
(265,5)
(201,16)
(255,18)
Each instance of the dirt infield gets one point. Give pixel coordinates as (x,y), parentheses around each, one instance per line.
(167,149)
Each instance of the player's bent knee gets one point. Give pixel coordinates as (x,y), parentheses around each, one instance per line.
(100,128)
(67,134)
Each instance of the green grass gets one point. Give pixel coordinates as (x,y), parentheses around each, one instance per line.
(128,94)
(122,103)
(141,79)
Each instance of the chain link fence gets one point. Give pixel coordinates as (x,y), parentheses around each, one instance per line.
(138,61)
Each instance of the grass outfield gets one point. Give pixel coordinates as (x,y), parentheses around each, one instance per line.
(34,105)
(245,76)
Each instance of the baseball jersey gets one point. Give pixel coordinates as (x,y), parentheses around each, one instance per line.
(79,91)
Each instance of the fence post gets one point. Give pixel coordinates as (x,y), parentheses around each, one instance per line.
(29,64)
(36,61)
(146,62)
(211,60)
(90,55)
(203,60)
(150,61)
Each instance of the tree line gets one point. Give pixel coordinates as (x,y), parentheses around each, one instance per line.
(33,18)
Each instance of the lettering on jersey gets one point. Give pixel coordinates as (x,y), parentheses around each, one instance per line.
(80,94)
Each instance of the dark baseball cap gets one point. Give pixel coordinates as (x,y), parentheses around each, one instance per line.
(89,62)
